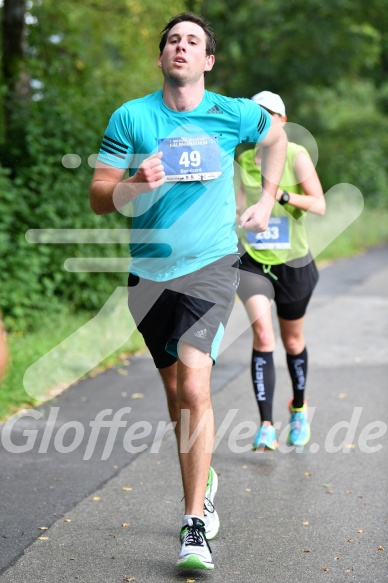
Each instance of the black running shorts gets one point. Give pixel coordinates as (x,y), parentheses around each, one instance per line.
(193,308)
(290,285)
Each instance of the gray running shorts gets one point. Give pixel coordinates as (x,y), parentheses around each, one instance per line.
(194,308)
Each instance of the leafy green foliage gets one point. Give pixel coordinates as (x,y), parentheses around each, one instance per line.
(329,62)
(85,60)
(354,144)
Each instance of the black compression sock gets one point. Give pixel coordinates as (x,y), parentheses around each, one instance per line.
(263,378)
(297,367)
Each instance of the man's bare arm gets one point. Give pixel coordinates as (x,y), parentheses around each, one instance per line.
(256,217)
(109,192)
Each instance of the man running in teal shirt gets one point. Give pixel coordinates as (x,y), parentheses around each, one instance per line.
(178,144)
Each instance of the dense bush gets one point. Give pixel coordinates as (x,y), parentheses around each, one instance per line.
(352,134)
(41,193)
(80,59)
(46,195)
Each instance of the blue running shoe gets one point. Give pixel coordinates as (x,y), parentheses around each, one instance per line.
(265,438)
(299,433)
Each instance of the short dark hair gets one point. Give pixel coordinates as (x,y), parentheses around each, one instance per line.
(190,17)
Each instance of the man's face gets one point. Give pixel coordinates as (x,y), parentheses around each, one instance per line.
(184,58)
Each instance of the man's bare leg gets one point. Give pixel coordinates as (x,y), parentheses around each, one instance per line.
(190,405)
(169,378)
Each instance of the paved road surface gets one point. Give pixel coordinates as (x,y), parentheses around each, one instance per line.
(319,514)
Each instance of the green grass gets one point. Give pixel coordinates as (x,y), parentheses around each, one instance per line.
(66,348)
(72,346)
(369,229)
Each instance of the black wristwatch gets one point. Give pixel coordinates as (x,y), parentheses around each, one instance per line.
(284,199)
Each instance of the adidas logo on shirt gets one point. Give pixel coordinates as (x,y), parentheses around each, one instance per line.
(214,109)
(201,334)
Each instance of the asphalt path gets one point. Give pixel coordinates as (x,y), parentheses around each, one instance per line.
(104,504)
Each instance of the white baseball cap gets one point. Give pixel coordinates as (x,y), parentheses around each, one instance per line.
(270,101)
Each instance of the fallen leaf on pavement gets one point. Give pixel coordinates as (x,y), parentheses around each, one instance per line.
(129,579)
(126,489)
(308,474)
(125,524)
(138,396)
(43,537)
(342,395)
(43,528)
(336,559)
(361,530)
(305,523)
(67,520)
(325,569)
(305,550)
(380,548)
(96,498)
(329,492)
(350,540)
(348,570)
(122,371)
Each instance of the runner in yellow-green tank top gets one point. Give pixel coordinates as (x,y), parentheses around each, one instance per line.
(277,265)
(294,244)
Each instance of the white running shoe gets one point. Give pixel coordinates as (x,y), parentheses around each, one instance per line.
(212,522)
(195,551)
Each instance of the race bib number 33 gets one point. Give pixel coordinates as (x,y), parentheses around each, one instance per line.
(190,158)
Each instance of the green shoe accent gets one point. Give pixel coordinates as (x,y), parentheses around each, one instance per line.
(212,521)
(212,476)
(194,562)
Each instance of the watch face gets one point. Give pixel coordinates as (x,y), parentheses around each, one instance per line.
(285,198)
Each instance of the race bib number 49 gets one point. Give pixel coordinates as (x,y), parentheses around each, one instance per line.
(277,236)
(190,158)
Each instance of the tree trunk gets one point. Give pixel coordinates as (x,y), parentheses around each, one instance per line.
(16,81)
